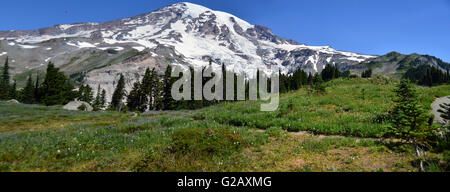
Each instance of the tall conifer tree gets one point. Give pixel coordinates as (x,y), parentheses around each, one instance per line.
(56,88)
(28,92)
(119,94)
(5,81)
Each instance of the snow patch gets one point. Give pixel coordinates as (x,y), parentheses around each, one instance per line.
(314,60)
(225,19)
(65,27)
(38,39)
(139,48)
(28,46)
(115,48)
(194,10)
(81,45)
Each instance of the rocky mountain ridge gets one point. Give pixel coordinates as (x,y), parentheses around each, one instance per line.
(180,34)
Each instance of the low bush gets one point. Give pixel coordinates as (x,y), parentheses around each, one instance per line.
(200,141)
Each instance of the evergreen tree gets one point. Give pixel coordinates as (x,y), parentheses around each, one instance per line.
(257,84)
(103,98)
(80,92)
(194,104)
(367,74)
(28,92)
(137,99)
(429,78)
(148,84)
(168,103)
(85,94)
(13,91)
(448,75)
(158,94)
(445,111)
(156,89)
(224,81)
(236,86)
(118,95)
(345,74)
(318,86)
(283,82)
(37,97)
(97,105)
(297,80)
(310,79)
(56,88)
(337,73)
(329,72)
(409,119)
(427,75)
(133,97)
(4,81)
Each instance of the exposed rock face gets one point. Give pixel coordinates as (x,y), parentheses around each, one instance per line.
(180,34)
(436,105)
(75,106)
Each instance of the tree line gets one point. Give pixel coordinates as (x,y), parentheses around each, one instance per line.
(153,92)
(427,75)
(315,81)
(55,89)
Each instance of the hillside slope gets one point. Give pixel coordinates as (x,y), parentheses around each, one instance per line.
(395,64)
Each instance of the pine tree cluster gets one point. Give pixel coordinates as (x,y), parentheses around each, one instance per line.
(56,89)
(316,81)
(427,75)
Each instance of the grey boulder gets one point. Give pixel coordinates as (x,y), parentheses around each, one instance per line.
(76,105)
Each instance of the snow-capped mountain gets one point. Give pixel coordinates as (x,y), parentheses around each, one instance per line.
(179,34)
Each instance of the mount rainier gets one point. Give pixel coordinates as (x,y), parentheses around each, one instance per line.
(179,34)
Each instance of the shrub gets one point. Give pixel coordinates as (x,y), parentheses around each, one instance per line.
(199,141)
(82,107)
(274,132)
(135,128)
(381,118)
(112,51)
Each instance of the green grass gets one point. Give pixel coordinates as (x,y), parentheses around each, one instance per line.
(226,137)
(114,147)
(18,118)
(342,111)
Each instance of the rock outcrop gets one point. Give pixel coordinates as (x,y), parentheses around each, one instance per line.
(78,106)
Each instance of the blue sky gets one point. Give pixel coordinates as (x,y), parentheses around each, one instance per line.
(367,26)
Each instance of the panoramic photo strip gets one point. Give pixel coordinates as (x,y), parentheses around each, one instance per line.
(186,92)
